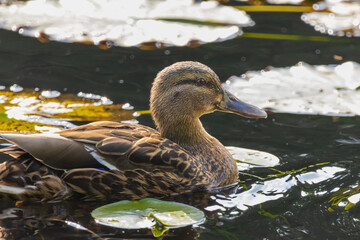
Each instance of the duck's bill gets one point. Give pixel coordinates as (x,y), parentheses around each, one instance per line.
(232,104)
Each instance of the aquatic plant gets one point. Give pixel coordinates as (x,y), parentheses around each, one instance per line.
(148,213)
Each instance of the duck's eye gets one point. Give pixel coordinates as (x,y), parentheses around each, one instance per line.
(200,81)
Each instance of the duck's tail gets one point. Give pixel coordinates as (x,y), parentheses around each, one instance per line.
(26,178)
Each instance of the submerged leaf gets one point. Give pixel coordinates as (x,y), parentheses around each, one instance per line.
(272,216)
(158,230)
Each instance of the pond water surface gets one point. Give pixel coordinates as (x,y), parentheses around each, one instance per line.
(298,199)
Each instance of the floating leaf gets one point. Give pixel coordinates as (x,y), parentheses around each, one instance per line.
(147,24)
(248,158)
(304,89)
(340,19)
(146,213)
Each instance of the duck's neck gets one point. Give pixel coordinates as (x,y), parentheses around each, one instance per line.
(185,130)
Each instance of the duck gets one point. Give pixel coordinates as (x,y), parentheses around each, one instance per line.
(106,161)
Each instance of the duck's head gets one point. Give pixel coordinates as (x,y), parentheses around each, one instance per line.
(185,91)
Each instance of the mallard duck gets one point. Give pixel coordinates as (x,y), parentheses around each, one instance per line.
(112,161)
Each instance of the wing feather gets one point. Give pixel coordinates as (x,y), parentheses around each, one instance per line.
(97,131)
(153,152)
(53,150)
(134,184)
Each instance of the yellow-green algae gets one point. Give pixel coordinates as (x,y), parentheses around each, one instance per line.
(342,196)
(262,212)
(91,113)
(14,125)
(68,106)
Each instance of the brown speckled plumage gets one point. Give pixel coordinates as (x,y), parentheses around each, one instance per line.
(138,161)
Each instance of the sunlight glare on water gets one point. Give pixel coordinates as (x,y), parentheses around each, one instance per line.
(50,94)
(319,175)
(259,193)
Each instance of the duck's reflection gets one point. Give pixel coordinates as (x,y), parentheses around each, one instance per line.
(35,220)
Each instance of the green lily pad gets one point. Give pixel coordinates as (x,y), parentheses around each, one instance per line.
(147,213)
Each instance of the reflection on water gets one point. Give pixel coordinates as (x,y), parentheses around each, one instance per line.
(259,193)
(274,189)
(319,176)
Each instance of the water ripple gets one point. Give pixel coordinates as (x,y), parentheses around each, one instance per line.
(261,192)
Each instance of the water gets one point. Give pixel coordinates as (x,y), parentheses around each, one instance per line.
(319,154)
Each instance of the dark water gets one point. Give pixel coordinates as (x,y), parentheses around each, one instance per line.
(319,155)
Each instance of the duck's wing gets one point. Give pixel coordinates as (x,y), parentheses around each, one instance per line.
(130,146)
(114,145)
(72,148)
(53,150)
(153,152)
